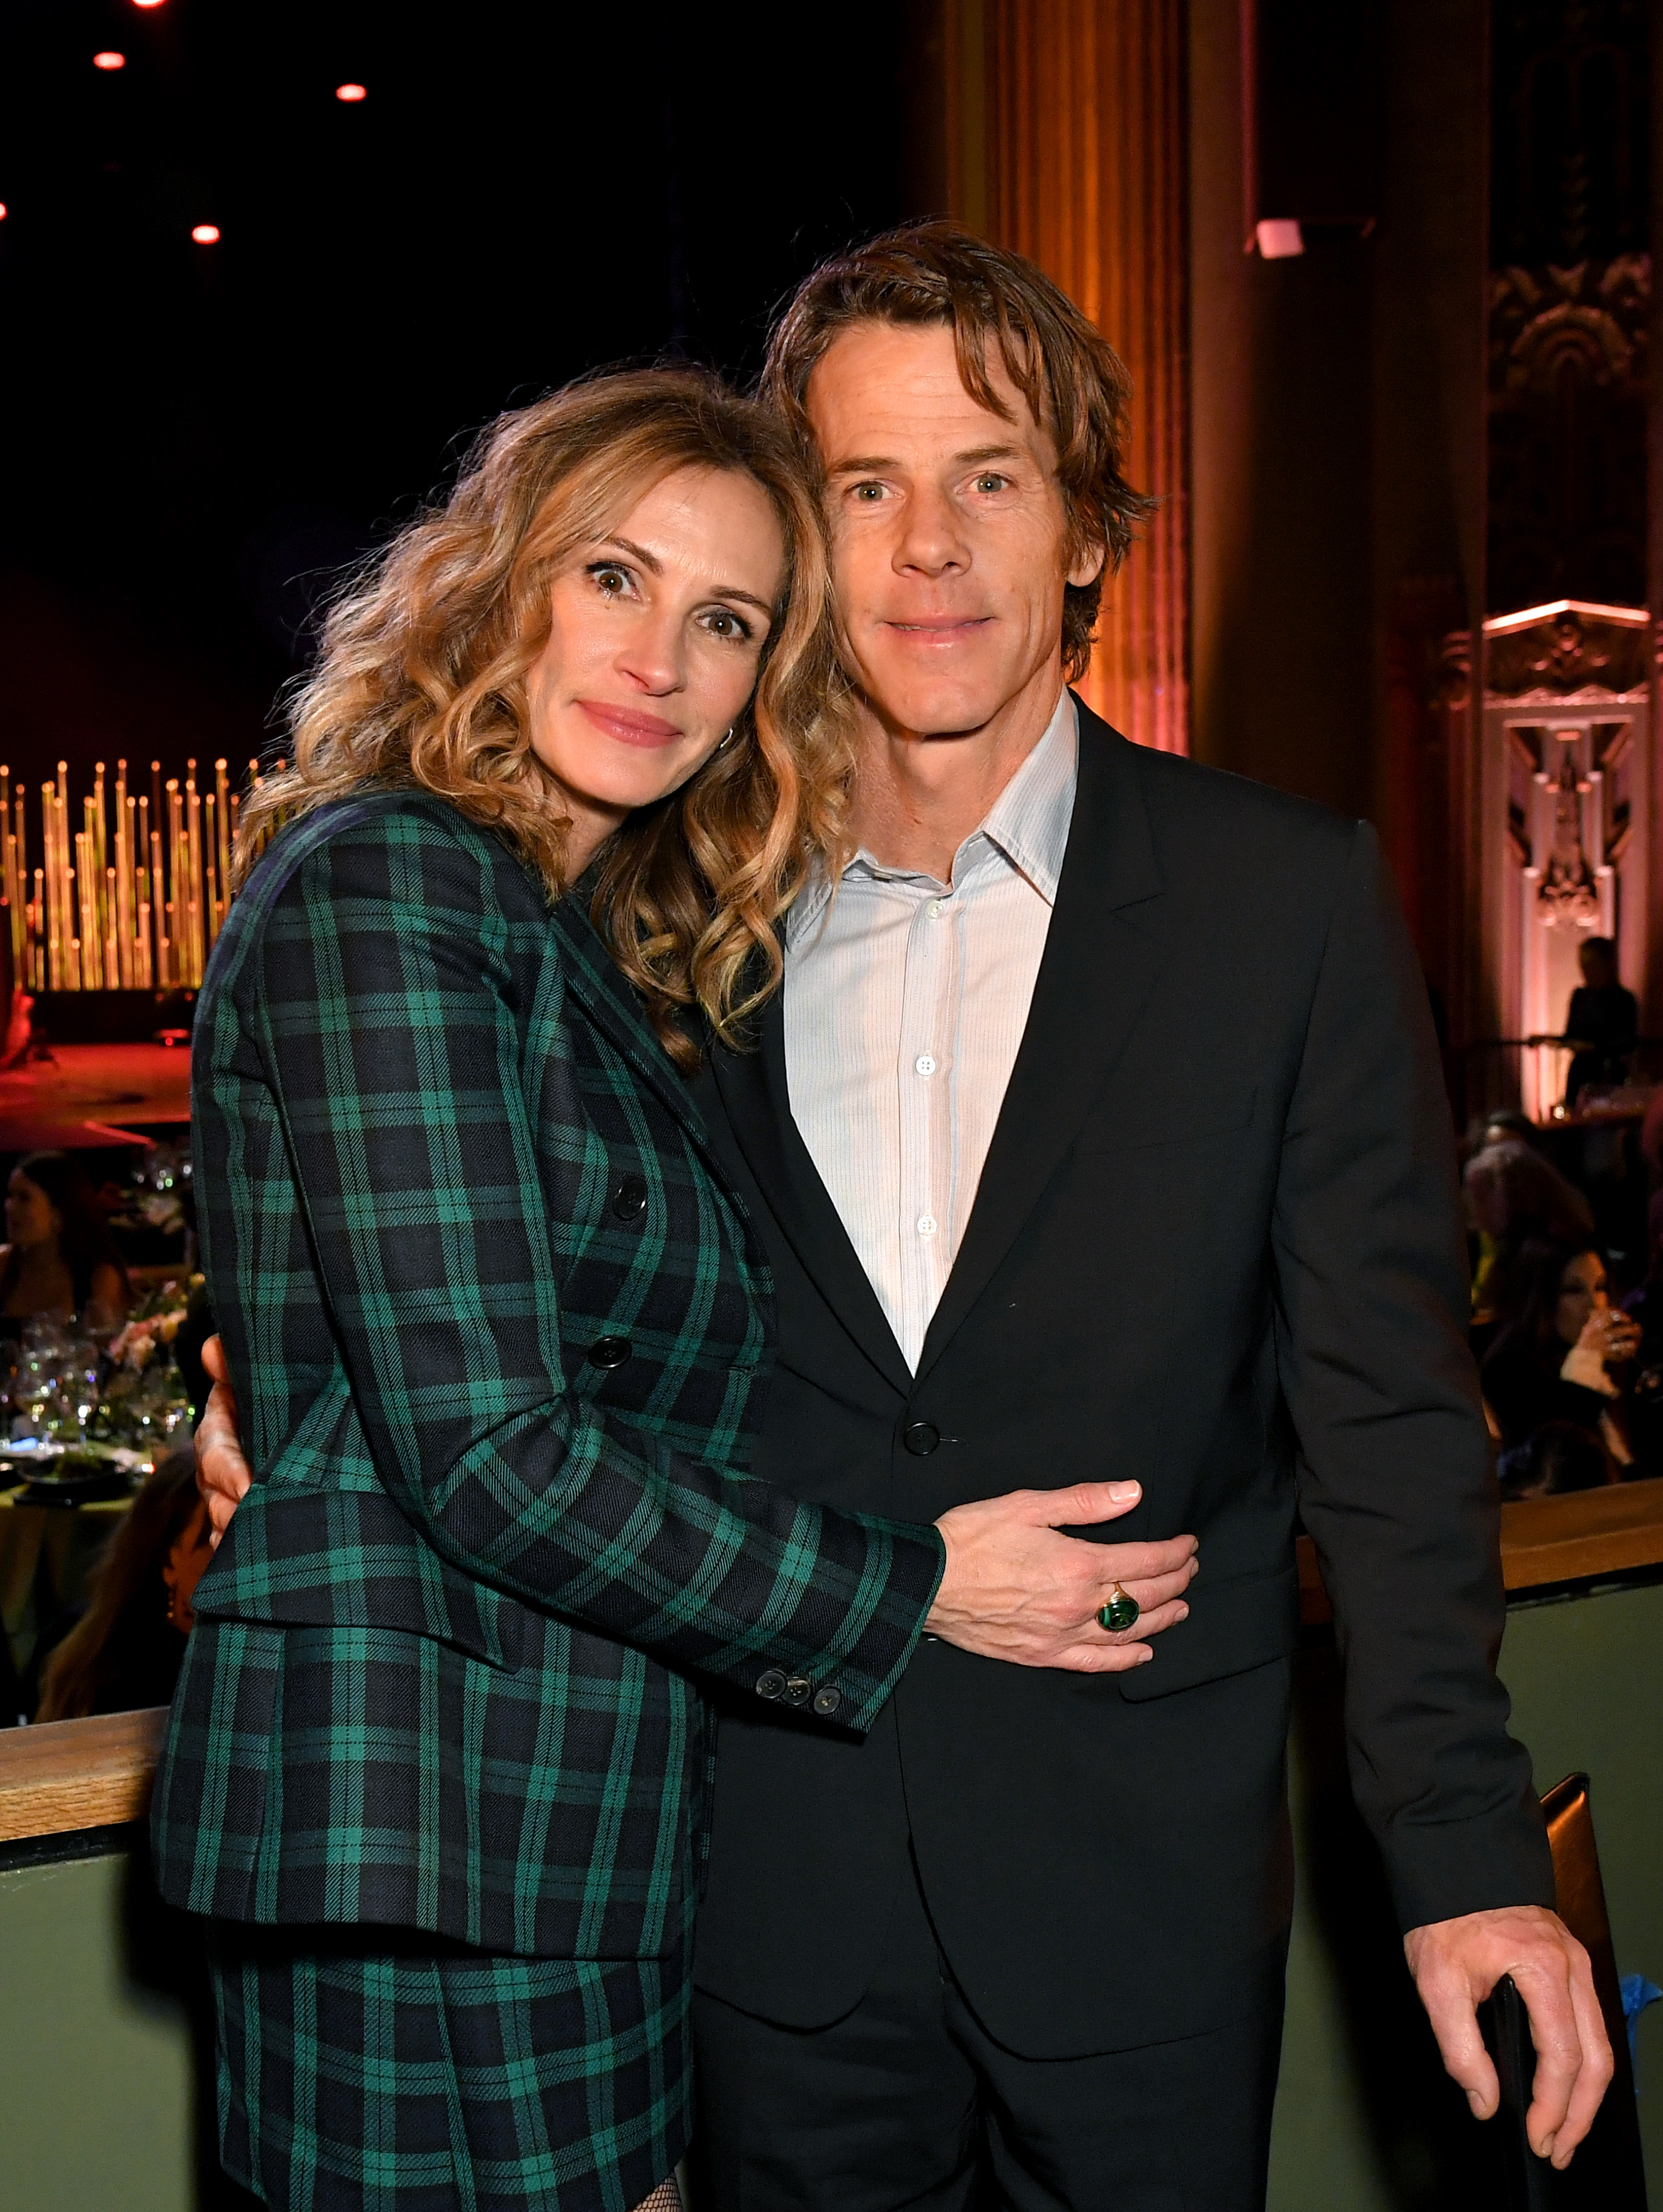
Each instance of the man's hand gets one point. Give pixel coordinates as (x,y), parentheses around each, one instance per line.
(1457,1963)
(222,1473)
(1016,1590)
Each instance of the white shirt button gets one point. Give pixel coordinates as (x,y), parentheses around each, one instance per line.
(925,1063)
(934,910)
(927,1224)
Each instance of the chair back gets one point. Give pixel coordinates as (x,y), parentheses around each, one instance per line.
(1607,2173)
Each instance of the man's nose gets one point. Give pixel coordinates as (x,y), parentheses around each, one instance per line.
(932,538)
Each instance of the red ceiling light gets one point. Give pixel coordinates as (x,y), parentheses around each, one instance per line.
(351,92)
(3,210)
(147,3)
(206,234)
(109,60)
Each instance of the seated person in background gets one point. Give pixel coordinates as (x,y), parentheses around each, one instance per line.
(60,1257)
(1603,1023)
(1552,1363)
(1560,1456)
(1514,1198)
(124,1651)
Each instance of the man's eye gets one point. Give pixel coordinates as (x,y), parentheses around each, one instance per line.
(868,494)
(991,482)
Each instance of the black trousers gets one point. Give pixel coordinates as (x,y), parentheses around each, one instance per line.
(908,2102)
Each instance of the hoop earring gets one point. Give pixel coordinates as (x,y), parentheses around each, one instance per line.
(727,741)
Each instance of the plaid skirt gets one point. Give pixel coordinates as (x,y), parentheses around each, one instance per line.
(369,2068)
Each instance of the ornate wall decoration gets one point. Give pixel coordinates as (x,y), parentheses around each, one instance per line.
(1570,302)
(1564,792)
(1565,654)
(1568,375)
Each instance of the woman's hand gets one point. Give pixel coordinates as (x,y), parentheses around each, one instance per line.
(1016,1588)
(222,1473)
(1609,1337)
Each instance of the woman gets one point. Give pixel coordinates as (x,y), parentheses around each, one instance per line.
(124,1653)
(60,1257)
(1552,1363)
(496,1325)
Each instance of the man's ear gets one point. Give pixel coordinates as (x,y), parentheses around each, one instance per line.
(1088,564)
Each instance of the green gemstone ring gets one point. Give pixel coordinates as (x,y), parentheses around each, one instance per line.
(1121,1612)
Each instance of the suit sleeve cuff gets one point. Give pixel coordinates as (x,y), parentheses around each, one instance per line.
(1443,1872)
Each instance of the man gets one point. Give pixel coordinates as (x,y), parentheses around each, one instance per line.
(1098,1128)
(1096,1133)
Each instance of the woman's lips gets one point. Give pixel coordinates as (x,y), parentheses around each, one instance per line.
(628,726)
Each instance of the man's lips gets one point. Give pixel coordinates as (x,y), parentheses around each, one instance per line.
(629,724)
(938,629)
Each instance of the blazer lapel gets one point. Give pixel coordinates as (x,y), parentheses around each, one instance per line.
(756,1097)
(1103,953)
(607,999)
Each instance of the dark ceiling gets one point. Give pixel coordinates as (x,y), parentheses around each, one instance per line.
(196,435)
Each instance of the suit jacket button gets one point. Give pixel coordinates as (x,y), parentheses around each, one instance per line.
(630,1199)
(798,1692)
(772,1683)
(921,1438)
(610,1350)
(826,1701)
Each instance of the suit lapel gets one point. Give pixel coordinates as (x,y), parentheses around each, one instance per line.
(1103,952)
(756,1097)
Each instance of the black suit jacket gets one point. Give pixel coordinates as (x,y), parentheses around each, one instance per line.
(1216,1247)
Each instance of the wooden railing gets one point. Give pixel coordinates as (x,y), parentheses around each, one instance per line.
(70,1776)
(1547,1540)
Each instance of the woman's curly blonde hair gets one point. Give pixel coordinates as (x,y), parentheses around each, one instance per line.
(420,684)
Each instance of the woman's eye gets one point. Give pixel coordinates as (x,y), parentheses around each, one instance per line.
(724,622)
(610,578)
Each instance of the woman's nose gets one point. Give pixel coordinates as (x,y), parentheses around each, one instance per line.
(651,655)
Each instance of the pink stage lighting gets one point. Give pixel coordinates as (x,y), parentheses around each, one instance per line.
(109,60)
(3,210)
(206,234)
(147,3)
(350,91)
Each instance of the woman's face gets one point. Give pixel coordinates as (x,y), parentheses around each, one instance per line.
(1582,1292)
(656,638)
(31,1217)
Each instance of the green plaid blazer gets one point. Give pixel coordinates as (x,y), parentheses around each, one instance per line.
(498,1329)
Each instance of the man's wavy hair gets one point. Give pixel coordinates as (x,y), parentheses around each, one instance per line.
(420,685)
(1071,377)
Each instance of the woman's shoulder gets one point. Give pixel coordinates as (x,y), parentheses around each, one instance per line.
(407,849)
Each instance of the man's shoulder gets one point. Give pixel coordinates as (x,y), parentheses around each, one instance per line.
(1210,817)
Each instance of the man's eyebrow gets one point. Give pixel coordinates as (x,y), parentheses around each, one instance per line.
(875,465)
(654,566)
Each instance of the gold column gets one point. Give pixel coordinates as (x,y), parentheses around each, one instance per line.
(1067,138)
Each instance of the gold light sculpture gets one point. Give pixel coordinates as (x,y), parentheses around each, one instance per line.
(133,899)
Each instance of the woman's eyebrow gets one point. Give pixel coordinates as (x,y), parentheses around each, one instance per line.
(654,566)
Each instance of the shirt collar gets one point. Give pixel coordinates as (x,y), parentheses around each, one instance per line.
(1028,823)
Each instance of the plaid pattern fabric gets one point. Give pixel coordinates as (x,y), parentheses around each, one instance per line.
(497,1327)
(354,2077)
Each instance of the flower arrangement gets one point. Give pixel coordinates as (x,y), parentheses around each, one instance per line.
(155,1324)
(143,1398)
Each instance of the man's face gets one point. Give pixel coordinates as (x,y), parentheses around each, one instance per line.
(949,536)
